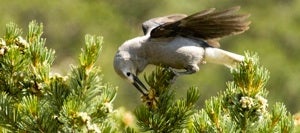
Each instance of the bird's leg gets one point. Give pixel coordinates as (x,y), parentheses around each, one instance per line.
(189,69)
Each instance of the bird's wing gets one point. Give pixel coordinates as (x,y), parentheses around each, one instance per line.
(155,22)
(209,25)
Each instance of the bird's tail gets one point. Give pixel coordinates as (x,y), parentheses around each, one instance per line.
(219,56)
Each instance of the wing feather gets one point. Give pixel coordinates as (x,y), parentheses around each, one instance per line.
(155,22)
(208,25)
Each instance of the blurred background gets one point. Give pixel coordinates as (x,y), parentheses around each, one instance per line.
(274,35)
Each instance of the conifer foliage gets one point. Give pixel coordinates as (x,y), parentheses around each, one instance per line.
(33,99)
(242,107)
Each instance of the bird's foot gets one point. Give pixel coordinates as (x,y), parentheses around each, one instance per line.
(190,69)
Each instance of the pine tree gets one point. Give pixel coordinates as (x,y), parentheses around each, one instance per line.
(242,107)
(33,99)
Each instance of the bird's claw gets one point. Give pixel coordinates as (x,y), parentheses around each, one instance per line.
(179,73)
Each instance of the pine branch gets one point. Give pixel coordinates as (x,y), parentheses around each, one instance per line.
(32,99)
(35,100)
(162,112)
(242,107)
(8,113)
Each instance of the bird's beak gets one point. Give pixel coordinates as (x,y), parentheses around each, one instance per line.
(139,85)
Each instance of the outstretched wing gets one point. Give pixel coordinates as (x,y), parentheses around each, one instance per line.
(155,22)
(209,25)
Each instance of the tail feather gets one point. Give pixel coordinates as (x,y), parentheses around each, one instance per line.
(219,56)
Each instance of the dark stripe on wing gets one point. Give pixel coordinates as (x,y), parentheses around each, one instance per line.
(208,25)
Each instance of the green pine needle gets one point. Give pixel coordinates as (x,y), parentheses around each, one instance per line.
(33,99)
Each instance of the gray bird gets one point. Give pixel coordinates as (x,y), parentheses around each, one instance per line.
(179,41)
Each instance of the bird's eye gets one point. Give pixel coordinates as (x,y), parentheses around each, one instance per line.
(128,74)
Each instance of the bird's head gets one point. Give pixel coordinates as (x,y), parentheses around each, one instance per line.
(127,69)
